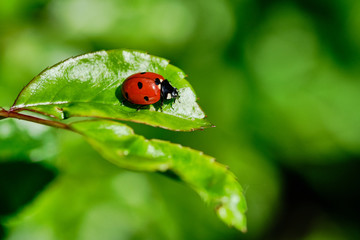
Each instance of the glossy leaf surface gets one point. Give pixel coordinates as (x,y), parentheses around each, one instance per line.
(212,181)
(90,86)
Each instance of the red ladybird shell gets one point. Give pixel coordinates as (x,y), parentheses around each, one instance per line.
(142,88)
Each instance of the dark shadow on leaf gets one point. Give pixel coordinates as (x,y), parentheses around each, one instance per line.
(171,174)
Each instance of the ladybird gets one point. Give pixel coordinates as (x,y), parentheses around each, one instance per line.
(147,88)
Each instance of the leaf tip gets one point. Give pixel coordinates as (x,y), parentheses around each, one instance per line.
(243,229)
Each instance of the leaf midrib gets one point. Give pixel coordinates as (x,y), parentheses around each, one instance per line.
(24,107)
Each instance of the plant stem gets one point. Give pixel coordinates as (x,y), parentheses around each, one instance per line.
(10,114)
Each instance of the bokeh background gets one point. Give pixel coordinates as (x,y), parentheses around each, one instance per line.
(279,79)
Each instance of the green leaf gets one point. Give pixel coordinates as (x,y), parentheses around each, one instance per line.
(26,141)
(89,86)
(212,181)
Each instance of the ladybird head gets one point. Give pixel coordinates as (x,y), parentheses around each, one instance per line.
(168,91)
(175,93)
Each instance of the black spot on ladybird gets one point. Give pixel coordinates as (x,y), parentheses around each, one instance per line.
(146,98)
(140,85)
(142,72)
(126,95)
(157,81)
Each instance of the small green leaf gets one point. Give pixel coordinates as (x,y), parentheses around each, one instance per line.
(212,181)
(89,86)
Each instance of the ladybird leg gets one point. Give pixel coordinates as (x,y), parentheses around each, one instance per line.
(173,102)
(140,107)
(161,104)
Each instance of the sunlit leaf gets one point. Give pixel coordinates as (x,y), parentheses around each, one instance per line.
(212,181)
(89,86)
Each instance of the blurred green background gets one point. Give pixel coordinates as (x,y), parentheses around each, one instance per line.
(279,79)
